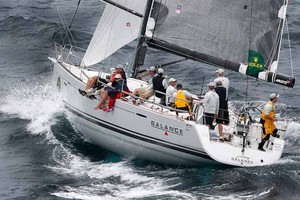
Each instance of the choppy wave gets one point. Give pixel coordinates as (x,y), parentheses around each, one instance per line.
(26,31)
(35,102)
(111,180)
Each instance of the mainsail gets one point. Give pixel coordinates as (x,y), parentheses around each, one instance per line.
(116,28)
(241,35)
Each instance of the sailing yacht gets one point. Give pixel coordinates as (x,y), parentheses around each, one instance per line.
(242,36)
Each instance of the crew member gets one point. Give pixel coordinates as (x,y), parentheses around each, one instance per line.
(182,99)
(267,119)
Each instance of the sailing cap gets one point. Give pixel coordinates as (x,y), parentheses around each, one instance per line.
(172,80)
(118,76)
(274,95)
(112,70)
(219,71)
(152,69)
(211,84)
(119,66)
(160,71)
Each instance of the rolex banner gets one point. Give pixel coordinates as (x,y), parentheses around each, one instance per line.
(256,63)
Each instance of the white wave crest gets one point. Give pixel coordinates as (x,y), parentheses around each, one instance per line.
(110,180)
(36,103)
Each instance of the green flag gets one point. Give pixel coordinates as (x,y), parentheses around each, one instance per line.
(256,63)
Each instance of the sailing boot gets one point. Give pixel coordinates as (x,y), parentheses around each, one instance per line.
(261,145)
(82,92)
(275,133)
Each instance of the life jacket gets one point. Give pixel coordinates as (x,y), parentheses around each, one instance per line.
(181,100)
(157,85)
(121,86)
(113,79)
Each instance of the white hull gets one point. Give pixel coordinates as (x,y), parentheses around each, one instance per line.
(151,134)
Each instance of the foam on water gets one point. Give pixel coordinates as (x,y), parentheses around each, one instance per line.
(240,195)
(293,130)
(109,180)
(34,102)
(292,140)
(284,161)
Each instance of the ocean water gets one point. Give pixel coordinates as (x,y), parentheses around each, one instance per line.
(43,157)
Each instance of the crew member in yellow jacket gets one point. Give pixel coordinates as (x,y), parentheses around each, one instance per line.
(182,99)
(267,119)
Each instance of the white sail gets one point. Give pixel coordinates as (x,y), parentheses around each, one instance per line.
(115,29)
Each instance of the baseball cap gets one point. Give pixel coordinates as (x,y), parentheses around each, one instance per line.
(274,95)
(220,71)
(152,69)
(172,80)
(119,66)
(160,71)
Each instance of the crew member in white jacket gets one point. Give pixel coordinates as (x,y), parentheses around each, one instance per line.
(211,105)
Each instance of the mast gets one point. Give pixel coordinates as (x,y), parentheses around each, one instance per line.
(141,50)
(282,16)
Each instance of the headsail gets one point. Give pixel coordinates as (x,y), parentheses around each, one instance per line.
(240,35)
(116,28)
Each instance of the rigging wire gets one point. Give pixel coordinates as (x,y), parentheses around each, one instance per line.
(60,15)
(250,40)
(188,75)
(61,34)
(131,55)
(250,31)
(64,23)
(75,13)
(171,63)
(202,85)
(290,49)
(247,89)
